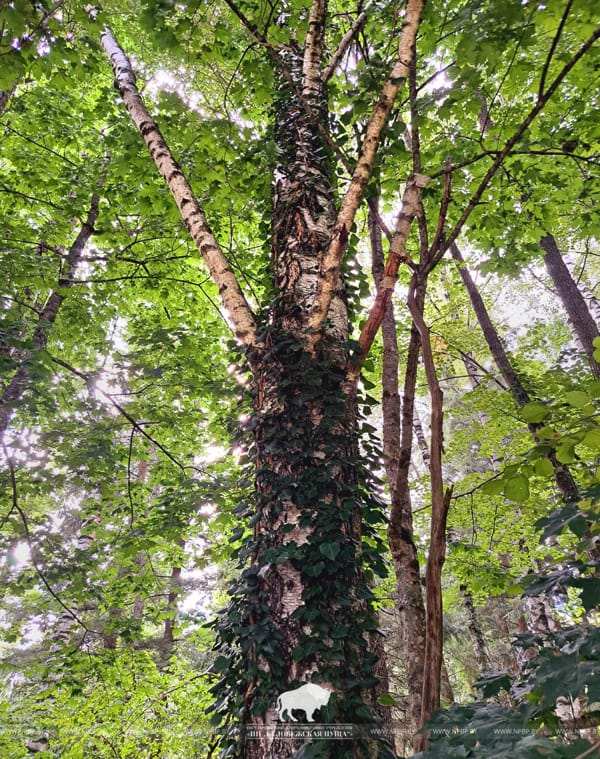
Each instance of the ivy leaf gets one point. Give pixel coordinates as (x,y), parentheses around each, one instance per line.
(330,550)
(386,699)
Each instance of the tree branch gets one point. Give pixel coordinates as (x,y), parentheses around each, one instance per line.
(550,55)
(350,35)
(241,318)
(136,425)
(330,266)
(542,100)
(397,255)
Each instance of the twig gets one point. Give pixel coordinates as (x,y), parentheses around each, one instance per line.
(344,43)
(29,539)
(550,55)
(136,425)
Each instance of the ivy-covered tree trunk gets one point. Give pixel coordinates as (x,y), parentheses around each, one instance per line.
(303,612)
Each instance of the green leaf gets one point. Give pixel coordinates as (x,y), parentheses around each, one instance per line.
(565,451)
(543,468)
(517,488)
(493,487)
(590,592)
(592,439)
(330,550)
(594,389)
(577,398)
(386,699)
(534,412)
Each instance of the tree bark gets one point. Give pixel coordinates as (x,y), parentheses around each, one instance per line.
(309,593)
(475,631)
(239,313)
(584,326)
(410,604)
(562,476)
(331,262)
(440,504)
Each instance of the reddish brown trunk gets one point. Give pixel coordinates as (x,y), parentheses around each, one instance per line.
(411,609)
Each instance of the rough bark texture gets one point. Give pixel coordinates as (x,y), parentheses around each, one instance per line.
(440,503)
(411,609)
(584,326)
(306,449)
(390,404)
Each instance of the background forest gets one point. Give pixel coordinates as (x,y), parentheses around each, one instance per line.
(455,562)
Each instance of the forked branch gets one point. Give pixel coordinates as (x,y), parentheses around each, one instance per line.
(397,255)
(330,266)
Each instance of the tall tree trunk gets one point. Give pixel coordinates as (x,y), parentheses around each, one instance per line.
(586,329)
(301,612)
(411,608)
(440,504)
(307,597)
(397,450)
(475,631)
(562,476)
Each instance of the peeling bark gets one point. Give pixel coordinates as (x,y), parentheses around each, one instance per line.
(331,262)
(239,313)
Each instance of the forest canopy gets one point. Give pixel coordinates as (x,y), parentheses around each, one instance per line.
(299,379)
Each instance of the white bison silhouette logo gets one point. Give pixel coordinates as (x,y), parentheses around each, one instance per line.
(308,698)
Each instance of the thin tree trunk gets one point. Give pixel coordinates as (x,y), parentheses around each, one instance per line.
(563,478)
(584,326)
(12,393)
(475,631)
(390,397)
(410,605)
(390,409)
(440,503)
(447,692)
